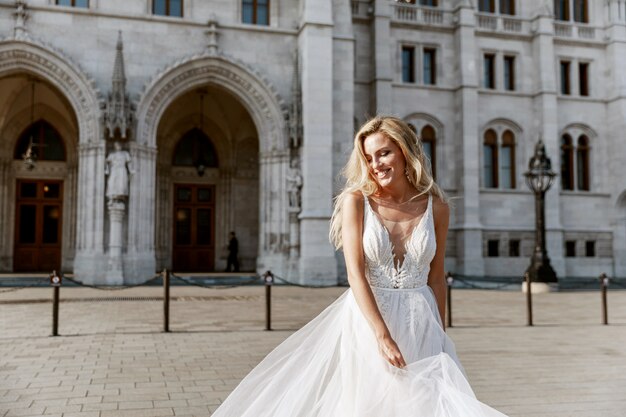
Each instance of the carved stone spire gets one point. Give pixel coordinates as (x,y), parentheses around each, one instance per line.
(295,111)
(119,75)
(21,15)
(118,115)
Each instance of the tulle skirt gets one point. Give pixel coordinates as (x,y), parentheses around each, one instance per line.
(332,367)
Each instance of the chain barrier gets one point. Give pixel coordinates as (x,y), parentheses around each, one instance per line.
(295,284)
(473,282)
(253,280)
(114,288)
(39,284)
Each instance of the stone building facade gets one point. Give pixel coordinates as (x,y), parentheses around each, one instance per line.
(238,115)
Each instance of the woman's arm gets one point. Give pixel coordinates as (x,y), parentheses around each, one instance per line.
(436,276)
(352,238)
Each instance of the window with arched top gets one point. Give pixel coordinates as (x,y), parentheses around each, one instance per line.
(582,163)
(429,137)
(490,159)
(567,162)
(507,160)
(47,142)
(195,149)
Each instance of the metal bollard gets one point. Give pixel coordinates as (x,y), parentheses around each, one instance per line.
(55,282)
(529,299)
(450,281)
(604,285)
(269,280)
(166,300)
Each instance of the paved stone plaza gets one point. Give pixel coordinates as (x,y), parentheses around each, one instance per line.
(113,360)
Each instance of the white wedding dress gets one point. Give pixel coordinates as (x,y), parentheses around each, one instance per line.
(332,367)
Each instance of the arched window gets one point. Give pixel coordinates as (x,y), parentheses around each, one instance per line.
(507,160)
(428,138)
(195,149)
(567,163)
(48,144)
(582,163)
(490,159)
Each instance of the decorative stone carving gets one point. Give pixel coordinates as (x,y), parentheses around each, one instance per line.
(295,111)
(21,15)
(118,113)
(52,64)
(294,189)
(117,167)
(212,34)
(245,81)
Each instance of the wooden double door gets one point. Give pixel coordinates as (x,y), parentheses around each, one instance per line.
(38,226)
(194,228)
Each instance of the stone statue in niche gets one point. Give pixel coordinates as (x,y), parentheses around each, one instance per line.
(118,167)
(294,187)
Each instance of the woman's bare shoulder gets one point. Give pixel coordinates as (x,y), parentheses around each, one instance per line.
(441,209)
(354,198)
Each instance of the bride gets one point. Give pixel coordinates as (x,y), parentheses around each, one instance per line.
(380,349)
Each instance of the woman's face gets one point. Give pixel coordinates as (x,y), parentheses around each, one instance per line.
(385,159)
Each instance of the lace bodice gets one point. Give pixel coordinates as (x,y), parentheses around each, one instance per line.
(380,265)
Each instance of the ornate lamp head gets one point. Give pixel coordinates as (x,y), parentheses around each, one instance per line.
(539,176)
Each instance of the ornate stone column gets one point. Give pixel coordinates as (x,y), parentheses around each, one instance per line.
(140,262)
(90,262)
(273,213)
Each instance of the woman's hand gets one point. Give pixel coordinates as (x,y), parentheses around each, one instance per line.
(390,351)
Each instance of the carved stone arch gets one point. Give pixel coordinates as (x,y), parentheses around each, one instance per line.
(419,120)
(258,96)
(577,129)
(500,125)
(30,56)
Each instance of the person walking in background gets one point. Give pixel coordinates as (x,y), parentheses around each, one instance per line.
(233,249)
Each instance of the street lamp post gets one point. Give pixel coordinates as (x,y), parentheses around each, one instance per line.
(539,178)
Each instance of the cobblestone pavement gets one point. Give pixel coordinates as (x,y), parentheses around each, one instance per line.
(113,360)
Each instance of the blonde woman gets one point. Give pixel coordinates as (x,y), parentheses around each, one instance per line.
(380,349)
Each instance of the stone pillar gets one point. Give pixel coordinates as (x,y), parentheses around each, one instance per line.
(615,128)
(315,41)
(90,262)
(382,94)
(115,272)
(5,190)
(469,229)
(294,236)
(273,211)
(140,259)
(619,243)
(546,127)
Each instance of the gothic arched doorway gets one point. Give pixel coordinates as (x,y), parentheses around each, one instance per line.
(38,204)
(208,182)
(38,171)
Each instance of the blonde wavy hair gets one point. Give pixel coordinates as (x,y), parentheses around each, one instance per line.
(359,177)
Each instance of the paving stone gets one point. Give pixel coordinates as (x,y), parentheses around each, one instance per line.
(567,365)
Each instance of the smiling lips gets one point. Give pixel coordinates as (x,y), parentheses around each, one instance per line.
(382,173)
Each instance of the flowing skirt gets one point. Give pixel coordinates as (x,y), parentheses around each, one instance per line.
(332,367)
